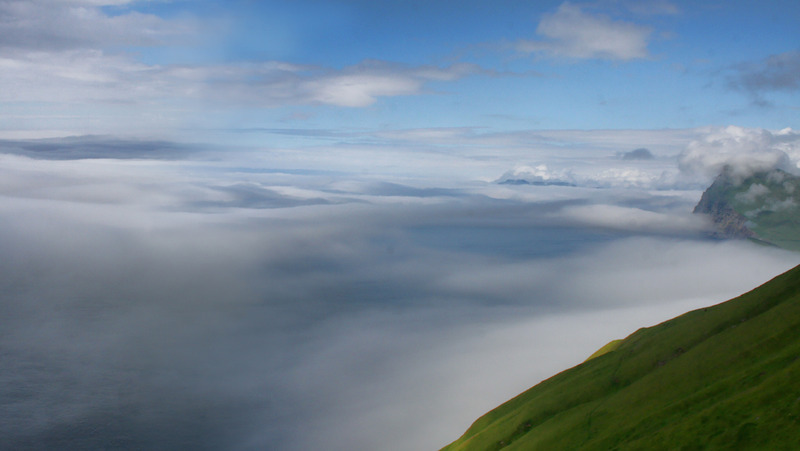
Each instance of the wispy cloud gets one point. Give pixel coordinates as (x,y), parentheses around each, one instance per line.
(571,32)
(776,73)
(95,76)
(359,85)
(76,56)
(41,25)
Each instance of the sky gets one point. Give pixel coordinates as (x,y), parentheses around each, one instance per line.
(180,68)
(359,225)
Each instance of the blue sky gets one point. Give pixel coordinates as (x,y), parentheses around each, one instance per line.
(171,67)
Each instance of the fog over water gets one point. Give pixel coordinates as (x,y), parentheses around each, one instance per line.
(263,299)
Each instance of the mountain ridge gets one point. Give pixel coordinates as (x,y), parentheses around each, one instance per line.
(725,376)
(760,206)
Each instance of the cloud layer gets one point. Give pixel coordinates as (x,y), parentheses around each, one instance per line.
(203,303)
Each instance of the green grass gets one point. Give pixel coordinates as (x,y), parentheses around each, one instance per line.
(611,346)
(723,377)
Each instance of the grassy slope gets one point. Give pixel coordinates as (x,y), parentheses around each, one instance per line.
(611,346)
(724,377)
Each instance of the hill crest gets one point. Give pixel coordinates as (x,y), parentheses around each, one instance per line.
(726,376)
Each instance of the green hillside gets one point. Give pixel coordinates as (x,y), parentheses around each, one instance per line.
(761,206)
(722,377)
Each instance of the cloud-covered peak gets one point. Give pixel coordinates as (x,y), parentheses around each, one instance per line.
(742,150)
(600,173)
(637,154)
(535,175)
(570,32)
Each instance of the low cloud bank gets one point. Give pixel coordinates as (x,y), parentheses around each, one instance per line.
(602,175)
(200,305)
(742,150)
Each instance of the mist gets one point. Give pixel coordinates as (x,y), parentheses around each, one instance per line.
(210,300)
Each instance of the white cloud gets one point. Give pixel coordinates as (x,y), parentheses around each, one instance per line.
(362,84)
(743,150)
(570,32)
(72,60)
(77,76)
(600,173)
(630,177)
(279,84)
(95,76)
(358,90)
(104,91)
(539,174)
(752,194)
(46,26)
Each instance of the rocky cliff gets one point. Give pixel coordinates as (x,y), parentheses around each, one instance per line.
(758,206)
(729,222)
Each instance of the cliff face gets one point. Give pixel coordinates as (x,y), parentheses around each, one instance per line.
(729,222)
(758,206)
